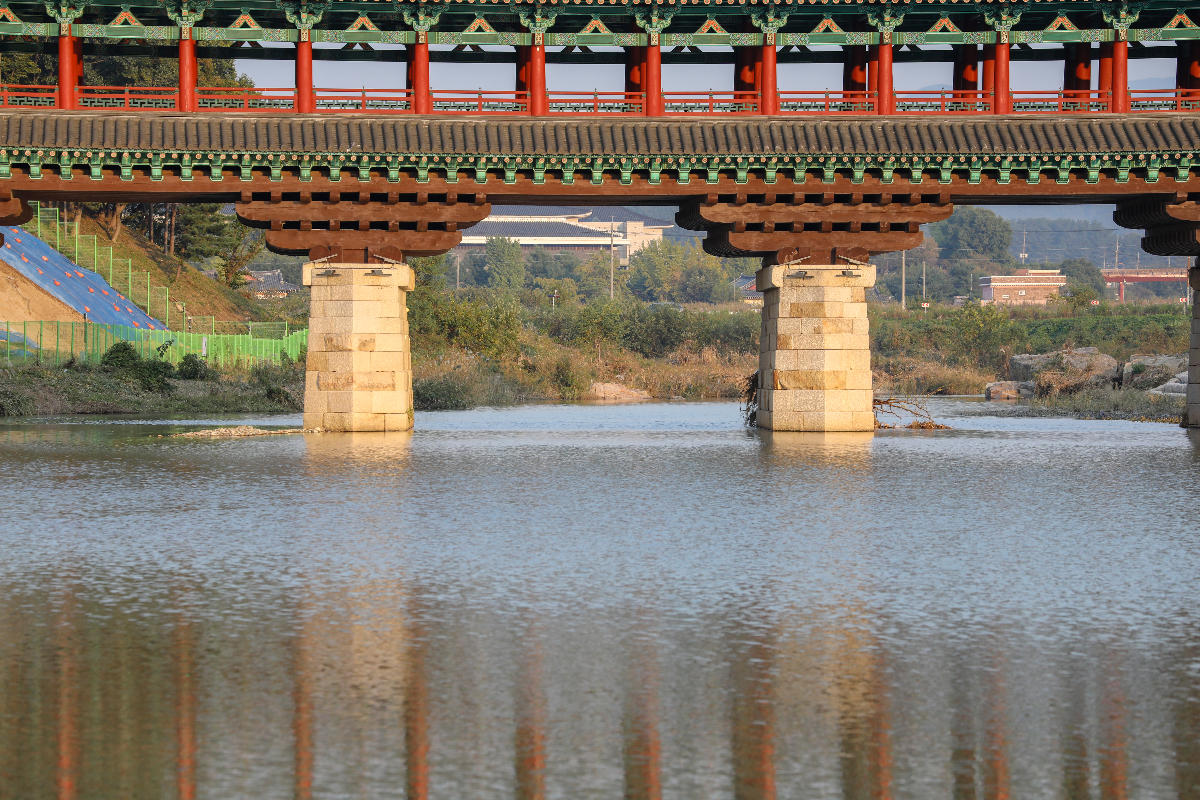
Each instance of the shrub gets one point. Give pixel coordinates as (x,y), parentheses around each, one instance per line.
(442,393)
(152,375)
(569,381)
(15,403)
(121,356)
(192,368)
(272,379)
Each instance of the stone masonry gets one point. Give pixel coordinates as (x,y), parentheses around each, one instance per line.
(814,362)
(359,374)
(1191,414)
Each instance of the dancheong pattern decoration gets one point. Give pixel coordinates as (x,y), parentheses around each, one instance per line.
(600,22)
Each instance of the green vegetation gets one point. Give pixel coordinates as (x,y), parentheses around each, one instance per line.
(987,335)
(126,383)
(1105,403)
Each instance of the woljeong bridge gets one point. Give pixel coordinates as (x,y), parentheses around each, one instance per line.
(812,182)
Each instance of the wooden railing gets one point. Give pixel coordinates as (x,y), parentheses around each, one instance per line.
(479,101)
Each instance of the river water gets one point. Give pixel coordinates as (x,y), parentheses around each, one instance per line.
(596,602)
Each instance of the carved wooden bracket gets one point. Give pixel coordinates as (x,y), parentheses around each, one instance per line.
(363,227)
(13,211)
(1171,223)
(817,228)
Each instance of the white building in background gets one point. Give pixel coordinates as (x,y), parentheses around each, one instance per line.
(623,233)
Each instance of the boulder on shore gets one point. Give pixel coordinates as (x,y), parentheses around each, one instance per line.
(1008,390)
(1177,385)
(1147,372)
(1066,371)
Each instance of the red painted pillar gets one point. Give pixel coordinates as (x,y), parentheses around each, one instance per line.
(887,97)
(635,71)
(1187,70)
(988,74)
(652,80)
(418,76)
(873,74)
(306,102)
(768,77)
(1077,67)
(1120,78)
(1003,101)
(1104,73)
(539,104)
(966,68)
(1193,68)
(522,71)
(187,71)
(68,66)
(854,69)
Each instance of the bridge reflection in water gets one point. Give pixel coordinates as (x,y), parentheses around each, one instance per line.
(583,602)
(401,685)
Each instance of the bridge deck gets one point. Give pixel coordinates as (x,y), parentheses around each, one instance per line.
(757,136)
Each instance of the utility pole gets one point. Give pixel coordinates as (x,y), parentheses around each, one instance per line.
(922,280)
(903,280)
(1024,254)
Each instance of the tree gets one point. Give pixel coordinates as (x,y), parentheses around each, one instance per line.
(1081,272)
(543,263)
(232,265)
(973,231)
(505,263)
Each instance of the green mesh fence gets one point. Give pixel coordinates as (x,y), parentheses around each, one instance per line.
(86,251)
(55,343)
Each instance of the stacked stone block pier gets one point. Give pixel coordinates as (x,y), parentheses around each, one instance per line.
(359,370)
(814,363)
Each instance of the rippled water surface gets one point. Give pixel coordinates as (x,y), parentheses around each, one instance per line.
(596,602)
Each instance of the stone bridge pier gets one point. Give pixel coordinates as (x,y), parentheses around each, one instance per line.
(359,371)
(814,363)
(814,360)
(1171,225)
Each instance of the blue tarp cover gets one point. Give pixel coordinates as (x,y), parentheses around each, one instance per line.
(81,289)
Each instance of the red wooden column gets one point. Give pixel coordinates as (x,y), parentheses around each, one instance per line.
(1002,103)
(854,69)
(68,67)
(521,83)
(652,78)
(306,101)
(417,57)
(988,73)
(1077,67)
(635,71)
(887,97)
(768,77)
(539,104)
(1104,72)
(187,70)
(1120,77)
(966,69)
(1187,69)
(873,74)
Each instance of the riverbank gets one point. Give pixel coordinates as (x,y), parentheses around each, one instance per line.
(79,389)
(1133,405)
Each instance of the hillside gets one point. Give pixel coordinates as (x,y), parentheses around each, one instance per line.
(201,295)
